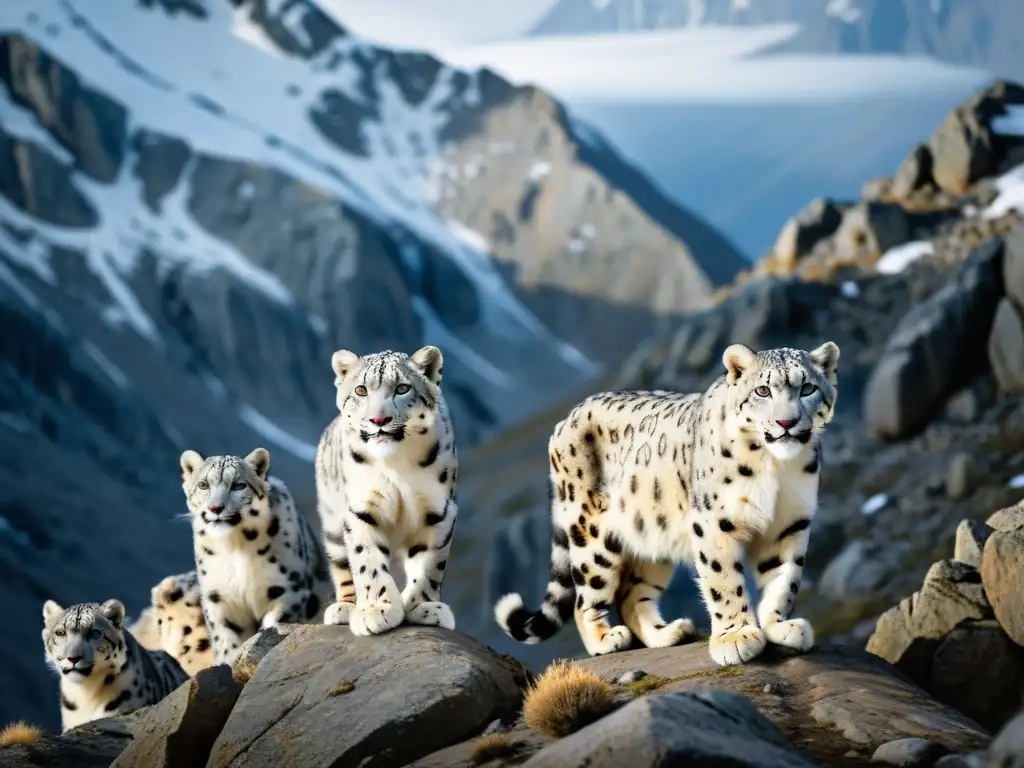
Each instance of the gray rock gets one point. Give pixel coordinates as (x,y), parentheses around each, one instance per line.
(256,648)
(909,753)
(962,148)
(1006,347)
(1009,519)
(970,760)
(1002,570)
(630,677)
(970,542)
(980,671)
(434,687)
(959,476)
(936,347)
(181,729)
(854,571)
(967,405)
(38,184)
(870,228)
(913,173)
(708,729)
(876,189)
(1013,265)
(906,634)
(818,220)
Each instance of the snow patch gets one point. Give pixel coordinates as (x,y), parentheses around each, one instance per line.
(1017,481)
(874,504)
(269,430)
(899,257)
(470,238)
(844,10)
(1010,124)
(849,289)
(1010,194)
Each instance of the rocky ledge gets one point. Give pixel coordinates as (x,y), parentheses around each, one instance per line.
(315,695)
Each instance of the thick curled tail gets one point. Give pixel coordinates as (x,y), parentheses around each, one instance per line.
(526,626)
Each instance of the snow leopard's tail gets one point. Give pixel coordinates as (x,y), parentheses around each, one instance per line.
(536,626)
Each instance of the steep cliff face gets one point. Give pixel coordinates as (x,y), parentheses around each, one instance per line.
(200,201)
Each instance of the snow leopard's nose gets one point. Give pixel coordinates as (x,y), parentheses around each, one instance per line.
(216,508)
(787,423)
(74,659)
(380,421)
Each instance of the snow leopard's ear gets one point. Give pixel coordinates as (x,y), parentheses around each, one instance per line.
(259,462)
(429,362)
(738,359)
(342,363)
(190,463)
(826,357)
(113,610)
(51,612)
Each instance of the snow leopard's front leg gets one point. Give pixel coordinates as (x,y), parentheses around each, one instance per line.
(288,604)
(332,523)
(229,628)
(778,561)
(424,570)
(379,606)
(718,553)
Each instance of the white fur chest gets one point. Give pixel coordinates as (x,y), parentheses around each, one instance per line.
(241,577)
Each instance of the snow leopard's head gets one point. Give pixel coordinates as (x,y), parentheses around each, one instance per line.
(387,397)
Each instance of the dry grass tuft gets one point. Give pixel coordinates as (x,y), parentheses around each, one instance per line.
(20,732)
(495,746)
(566,698)
(653,682)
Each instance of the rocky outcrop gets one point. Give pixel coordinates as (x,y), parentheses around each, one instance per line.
(959,636)
(428,697)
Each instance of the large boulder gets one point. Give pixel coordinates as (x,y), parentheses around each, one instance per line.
(707,728)
(913,173)
(324,697)
(936,348)
(870,229)
(181,729)
(964,148)
(1013,264)
(1002,571)
(906,634)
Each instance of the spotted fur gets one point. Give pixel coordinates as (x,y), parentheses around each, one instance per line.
(726,479)
(259,562)
(179,627)
(103,670)
(386,473)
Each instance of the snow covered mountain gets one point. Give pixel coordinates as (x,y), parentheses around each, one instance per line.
(200,200)
(980,33)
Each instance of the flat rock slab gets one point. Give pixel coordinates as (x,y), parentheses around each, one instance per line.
(1002,570)
(713,728)
(323,697)
(835,704)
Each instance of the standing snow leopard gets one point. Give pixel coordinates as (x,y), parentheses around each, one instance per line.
(259,561)
(643,481)
(104,670)
(386,473)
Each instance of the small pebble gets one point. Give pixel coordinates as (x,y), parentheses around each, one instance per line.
(631,677)
(909,753)
(767,688)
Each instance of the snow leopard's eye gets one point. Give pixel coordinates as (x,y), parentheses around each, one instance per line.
(203,485)
(360,390)
(763,391)
(807,390)
(238,486)
(402,389)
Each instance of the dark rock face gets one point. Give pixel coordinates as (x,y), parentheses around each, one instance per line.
(936,348)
